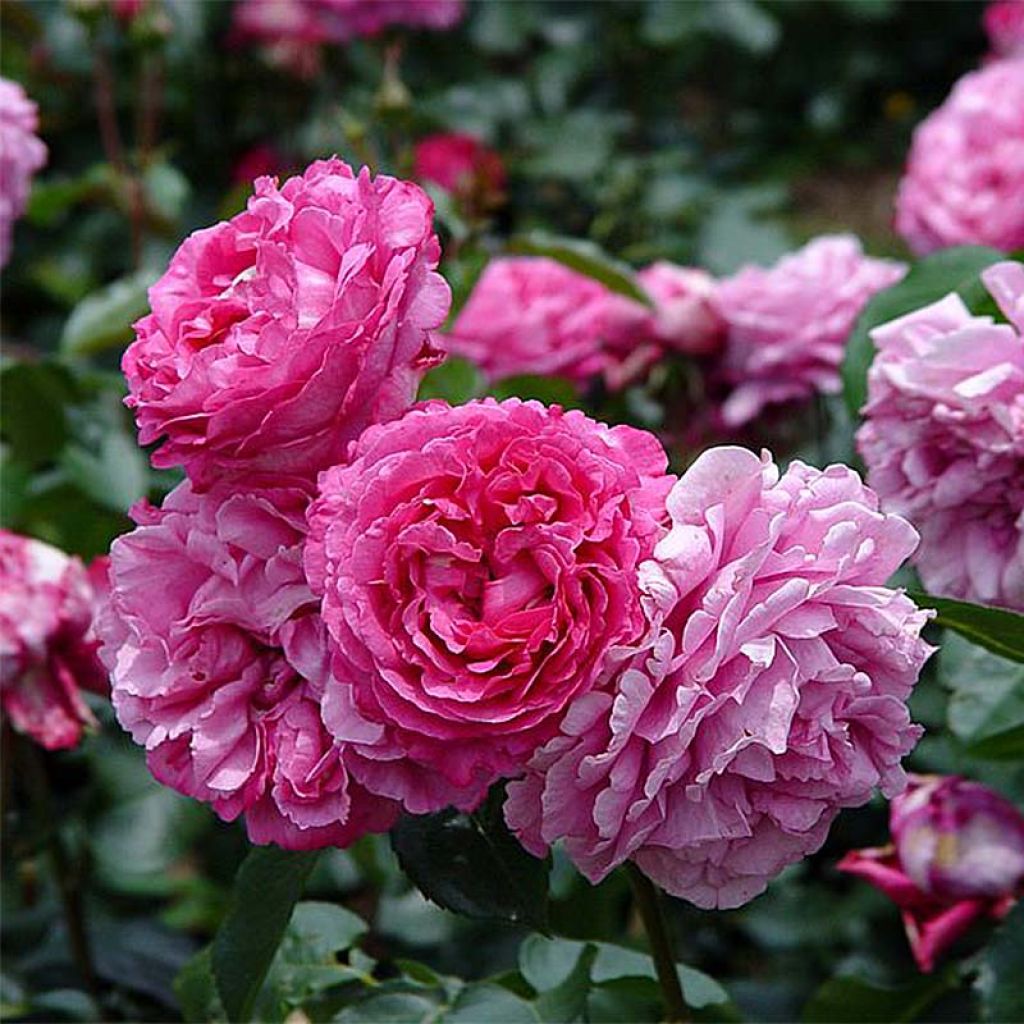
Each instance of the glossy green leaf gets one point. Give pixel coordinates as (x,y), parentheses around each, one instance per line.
(996,629)
(104,319)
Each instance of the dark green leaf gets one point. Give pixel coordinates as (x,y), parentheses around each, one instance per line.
(999,981)
(268,886)
(853,1001)
(196,991)
(549,390)
(584,257)
(930,279)
(455,380)
(488,1002)
(618,962)
(104,319)
(32,420)
(996,629)
(472,865)
(391,1008)
(115,478)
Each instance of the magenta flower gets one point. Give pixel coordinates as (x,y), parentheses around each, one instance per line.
(218,664)
(965,173)
(277,336)
(462,165)
(787,326)
(476,564)
(957,858)
(943,439)
(348,19)
(685,318)
(47,645)
(21,155)
(1004,26)
(769,692)
(533,315)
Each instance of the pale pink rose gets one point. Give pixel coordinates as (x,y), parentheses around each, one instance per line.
(685,318)
(21,155)
(769,692)
(218,662)
(964,181)
(943,439)
(460,164)
(957,858)
(47,646)
(533,315)
(348,19)
(277,336)
(787,326)
(476,566)
(1004,26)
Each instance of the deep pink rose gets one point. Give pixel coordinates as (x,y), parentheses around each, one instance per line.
(957,858)
(964,182)
(943,439)
(277,336)
(476,566)
(787,326)
(533,315)
(1004,26)
(47,646)
(21,155)
(218,661)
(256,162)
(769,692)
(685,318)
(274,21)
(348,19)
(462,165)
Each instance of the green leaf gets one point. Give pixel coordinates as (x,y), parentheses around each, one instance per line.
(998,981)
(586,258)
(268,885)
(391,1008)
(736,233)
(115,478)
(471,864)
(854,1001)
(196,991)
(455,380)
(549,390)
(32,418)
(986,710)
(996,629)
(488,1002)
(104,319)
(614,962)
(930,279)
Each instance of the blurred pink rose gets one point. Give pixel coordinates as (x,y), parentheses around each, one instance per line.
(462,165)
(347,19)
(957,858)
(964,182)
(533,315)
(21,155)
(476,566)
(274,21)
(1004,25)
(769,693)
(277,336)
(787,326)
(943,439)
(47,645)
(256,162)
(218,661)
(685,318)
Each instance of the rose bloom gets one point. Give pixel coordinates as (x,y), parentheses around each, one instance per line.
(347,19)
(964,180)
(769,692)
(460,164)
(290,32)
(943,439)
(476,565)
(21,155)
(1004,26)
(534,315)
(47,645)
(218,663)
(787,326)
(957,857)
(277,336)
(685,318)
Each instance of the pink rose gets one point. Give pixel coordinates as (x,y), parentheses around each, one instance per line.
(769,692)
(462,165)
(21,155)
(47,645)
(476,564)
(257,161)
(685,318)
(943,439)
(218,661)
(274,21)
(533,315)
(277,336)
(958,858)
(964,180)
(347,19)
(1004,26)
(786,327)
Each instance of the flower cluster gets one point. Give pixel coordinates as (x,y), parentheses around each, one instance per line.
(47,645)
(965,173)
(943,439)
(957,857)
(21,155)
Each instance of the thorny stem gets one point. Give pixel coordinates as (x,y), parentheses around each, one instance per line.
(648,904)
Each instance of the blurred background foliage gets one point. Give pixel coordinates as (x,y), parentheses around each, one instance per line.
(708,133)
